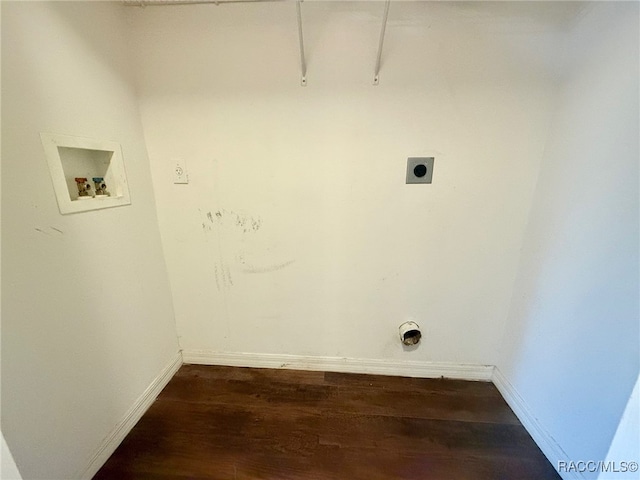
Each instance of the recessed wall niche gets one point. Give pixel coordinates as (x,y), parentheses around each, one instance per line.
(72,158)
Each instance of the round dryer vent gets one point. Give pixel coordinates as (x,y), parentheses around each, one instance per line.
(410,333)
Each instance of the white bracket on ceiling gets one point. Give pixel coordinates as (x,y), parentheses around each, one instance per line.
(303,63)
(376,74)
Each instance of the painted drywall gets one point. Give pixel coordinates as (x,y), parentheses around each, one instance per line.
(8,467)
(87,319)
(296,233)
(624,453)
(571,343)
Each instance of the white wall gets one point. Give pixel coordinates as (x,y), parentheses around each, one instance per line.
(87,320)
(625,447)
(8,467)
(571,347)
(297,234)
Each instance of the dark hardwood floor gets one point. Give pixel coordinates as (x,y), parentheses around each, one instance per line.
(228,423)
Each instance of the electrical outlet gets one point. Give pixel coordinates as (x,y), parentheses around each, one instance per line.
(419,169)
(180,174)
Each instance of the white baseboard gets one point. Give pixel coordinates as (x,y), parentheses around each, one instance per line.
(132,416)
(337,364)
(540,435)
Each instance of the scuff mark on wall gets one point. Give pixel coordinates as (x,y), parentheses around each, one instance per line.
(230,228)
(267,269)
(222,273)
(247,224)
(255,224)
(215,272)
(227,275)
(48,232)
(229,218)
